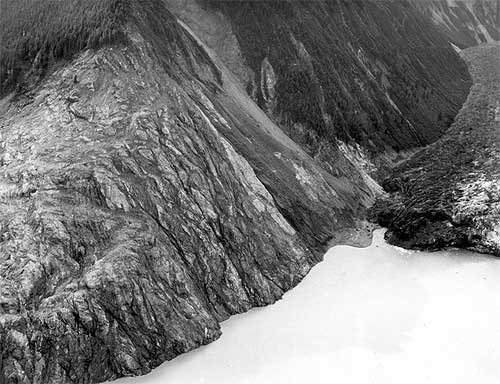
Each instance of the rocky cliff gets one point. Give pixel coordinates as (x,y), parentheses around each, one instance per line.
(167,165)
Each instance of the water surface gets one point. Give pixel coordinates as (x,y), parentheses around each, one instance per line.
(374,315)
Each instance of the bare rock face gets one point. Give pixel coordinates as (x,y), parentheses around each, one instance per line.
(268,85)
(448,194)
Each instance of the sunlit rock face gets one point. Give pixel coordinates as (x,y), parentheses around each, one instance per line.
(196,167)
(466,22)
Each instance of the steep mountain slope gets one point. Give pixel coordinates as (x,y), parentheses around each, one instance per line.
(466,22)
(448,194)
(130,225)
(145,196)
(377,75)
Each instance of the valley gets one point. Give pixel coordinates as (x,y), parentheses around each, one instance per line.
(447,195)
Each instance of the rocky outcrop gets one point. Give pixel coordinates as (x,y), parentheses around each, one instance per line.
(448,194)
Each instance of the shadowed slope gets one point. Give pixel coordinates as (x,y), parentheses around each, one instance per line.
(374,73)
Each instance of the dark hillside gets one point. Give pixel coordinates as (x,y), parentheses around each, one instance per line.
(37,33)
(377,73)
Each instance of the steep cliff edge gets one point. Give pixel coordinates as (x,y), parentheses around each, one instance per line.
(145,196)
(448,194)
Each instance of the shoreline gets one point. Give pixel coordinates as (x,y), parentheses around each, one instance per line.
(387,310)
(360,236)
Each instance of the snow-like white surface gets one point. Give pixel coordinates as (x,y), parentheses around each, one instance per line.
(368,316)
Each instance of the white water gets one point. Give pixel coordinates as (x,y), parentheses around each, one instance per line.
(368,316)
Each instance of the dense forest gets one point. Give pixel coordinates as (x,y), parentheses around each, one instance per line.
(36,33)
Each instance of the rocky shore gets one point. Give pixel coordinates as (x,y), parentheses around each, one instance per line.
(448,194)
